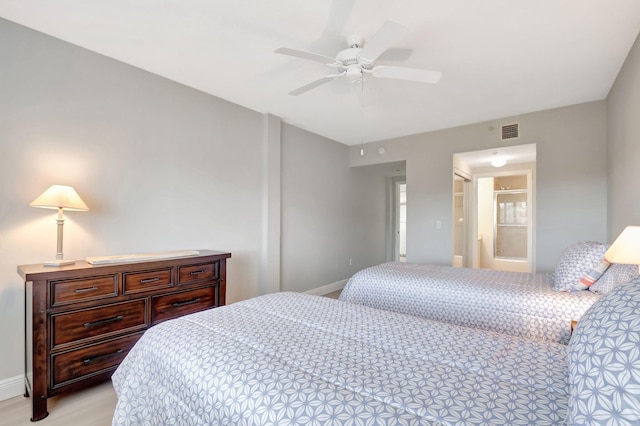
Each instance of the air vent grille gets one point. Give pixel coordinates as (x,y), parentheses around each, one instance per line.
(510,131)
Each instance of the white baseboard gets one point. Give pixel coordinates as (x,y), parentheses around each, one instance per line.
(329,288)
(11,387)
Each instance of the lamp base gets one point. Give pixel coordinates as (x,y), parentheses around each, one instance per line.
(59,262)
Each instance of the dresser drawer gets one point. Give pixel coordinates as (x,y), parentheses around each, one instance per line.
(187,302)
(136,282)
(90,323)
(90,360)
(80,290)
(198,273)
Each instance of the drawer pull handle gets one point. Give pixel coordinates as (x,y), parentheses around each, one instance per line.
(197,272)
(187,302)
(88,361)
(84,290)
(149,280)
(104,321)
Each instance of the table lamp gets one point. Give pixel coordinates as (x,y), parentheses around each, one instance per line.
(626,248)
(60,197)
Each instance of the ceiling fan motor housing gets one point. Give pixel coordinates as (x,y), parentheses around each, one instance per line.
(349,56)
(351,61)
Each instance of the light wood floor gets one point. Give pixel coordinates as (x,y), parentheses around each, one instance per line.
(334,295)
(93,406)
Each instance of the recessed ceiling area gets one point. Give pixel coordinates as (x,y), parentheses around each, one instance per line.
(510,154)
(498,58)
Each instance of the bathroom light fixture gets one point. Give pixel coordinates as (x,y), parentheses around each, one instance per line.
(498,161)
(60,197)
(626,248)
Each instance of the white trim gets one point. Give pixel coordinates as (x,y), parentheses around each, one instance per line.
(329,288)
(11,387)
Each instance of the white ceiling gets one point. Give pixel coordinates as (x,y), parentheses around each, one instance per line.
(498,57)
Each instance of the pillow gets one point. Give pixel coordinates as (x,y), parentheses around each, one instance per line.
(592,276)
(614,276)
(575,262)
(603,357)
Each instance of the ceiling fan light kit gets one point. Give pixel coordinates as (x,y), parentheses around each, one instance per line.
(359,59)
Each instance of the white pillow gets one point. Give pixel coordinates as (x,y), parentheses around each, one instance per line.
(576,262)
(615,275)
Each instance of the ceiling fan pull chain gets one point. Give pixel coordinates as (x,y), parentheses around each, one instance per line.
(362,115)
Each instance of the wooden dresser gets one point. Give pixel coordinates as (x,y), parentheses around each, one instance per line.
(81,320)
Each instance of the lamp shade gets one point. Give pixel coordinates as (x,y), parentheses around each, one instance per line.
(626,248)
(60,196)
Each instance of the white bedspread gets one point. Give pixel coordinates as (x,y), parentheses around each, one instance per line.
(520,304)
(295,359)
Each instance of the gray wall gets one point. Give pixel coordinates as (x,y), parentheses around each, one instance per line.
(623,136)
(162,167)
(331,212)
(571,184)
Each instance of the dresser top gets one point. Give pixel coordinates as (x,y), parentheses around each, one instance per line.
(38,271)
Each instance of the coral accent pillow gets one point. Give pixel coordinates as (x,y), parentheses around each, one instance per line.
(592,276)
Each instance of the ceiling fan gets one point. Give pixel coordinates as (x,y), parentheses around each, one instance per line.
(358,59)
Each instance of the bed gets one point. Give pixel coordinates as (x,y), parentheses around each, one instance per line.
(516,303)
(290,358)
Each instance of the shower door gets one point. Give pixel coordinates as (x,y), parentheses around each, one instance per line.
(511,234)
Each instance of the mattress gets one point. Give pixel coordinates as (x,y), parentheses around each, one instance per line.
(516,303)
(290,358)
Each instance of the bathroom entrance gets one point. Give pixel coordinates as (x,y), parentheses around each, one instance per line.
(493,209)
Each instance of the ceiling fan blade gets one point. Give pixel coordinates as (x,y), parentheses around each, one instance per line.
(305,55)
(312,85)
(332,36)
(338,15)
(403,73)
(396,54)
(388,34)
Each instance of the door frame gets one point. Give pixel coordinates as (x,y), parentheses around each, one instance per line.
(467,213)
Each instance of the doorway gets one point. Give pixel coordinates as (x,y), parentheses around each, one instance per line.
(400,232)
(494,209)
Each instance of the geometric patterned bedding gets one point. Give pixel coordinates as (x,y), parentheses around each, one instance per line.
(291,358)
(604,361)
(516,303)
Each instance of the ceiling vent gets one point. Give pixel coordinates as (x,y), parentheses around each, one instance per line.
(510,131)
